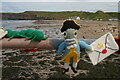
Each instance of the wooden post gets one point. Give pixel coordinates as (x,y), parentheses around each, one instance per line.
(22,43)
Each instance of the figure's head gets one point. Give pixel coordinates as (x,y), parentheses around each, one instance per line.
(69,29)
(70,34)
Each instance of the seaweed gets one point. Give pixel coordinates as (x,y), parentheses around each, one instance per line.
(34,35)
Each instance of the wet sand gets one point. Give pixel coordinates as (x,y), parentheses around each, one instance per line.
(95,29)
(88,30)
(51,28)
(45,64)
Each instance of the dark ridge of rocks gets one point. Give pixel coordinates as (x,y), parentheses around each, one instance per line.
(45,64)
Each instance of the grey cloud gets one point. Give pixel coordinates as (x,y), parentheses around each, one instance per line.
(59,6)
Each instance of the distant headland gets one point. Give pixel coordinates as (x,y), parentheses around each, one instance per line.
(45,15)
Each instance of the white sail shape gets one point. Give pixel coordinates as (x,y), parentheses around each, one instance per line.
(2,32)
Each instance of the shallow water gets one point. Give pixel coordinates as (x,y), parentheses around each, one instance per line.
(51,30)
(13,24)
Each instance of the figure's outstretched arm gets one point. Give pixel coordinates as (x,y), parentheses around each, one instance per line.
(85,46)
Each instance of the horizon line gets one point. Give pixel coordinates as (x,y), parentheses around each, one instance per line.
(53,11)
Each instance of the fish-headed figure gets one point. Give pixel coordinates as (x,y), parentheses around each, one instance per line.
(71,45)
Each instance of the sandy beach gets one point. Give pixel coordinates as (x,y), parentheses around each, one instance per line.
(45,64)
(51,28)
(88,30)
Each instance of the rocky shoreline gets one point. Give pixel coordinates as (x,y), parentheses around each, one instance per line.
(45,64)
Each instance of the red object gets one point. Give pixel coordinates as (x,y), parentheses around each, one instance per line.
(34,50)
(104,51)
(27,51)
(118,42)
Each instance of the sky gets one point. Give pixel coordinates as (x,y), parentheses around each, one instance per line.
(58,5)
(60,0)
